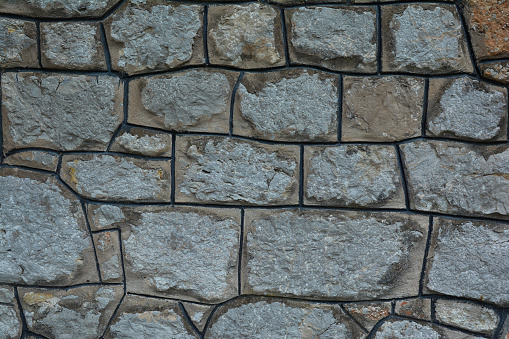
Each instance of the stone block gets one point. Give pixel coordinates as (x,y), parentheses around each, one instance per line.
(198,313)
(107,246)
(465,315)
(496,71)
(397,328)
(103,217)
(368,314)
(7,294)
(143,142)
(57,8)
(35,159)
(18,43)
(414,308)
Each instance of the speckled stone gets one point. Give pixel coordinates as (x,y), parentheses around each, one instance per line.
(18,43)
(10,322)
(468,316)
(35,159)
(143,142)
(414,308)
(103,217)
(504,329)
(396,328)
(107,247)
(368,314)
(57,8)
(496,71)
(7,294)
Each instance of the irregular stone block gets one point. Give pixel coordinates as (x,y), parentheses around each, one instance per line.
(143,142)
(396,328)
(382,109)
(469,316)
(193,100)
(43,234)
(465,108)
(57,8)
(198,313)
(496,71)
(424,38)
(245,36)
(154,35)
(503,333)
(35,159)
(106,177)
(469,259)
(414,308)
(455,178)
(67,112)
(276,318)
(368,314)
(72,45)
(7,294)
(276,256)
(294,105)
(103,217)
(337,38)
(107,246)
(18,43)
(81,312)
(352,175)
(227,170)
(10,322)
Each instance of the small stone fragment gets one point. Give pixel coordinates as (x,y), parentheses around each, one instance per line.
(245,36)
(67,112)
(57,8)
(103,217)
(368,314)
(106,177)
(466,315)
(503,333)
(18,43)
(35,159)
(295,105)
(10,322)
(143,142)
(396,328)
(337,38)
(414,308)
(107,245)
(496,71)
(194,100)
(352,175)
(198,313)
(465,108)
(6,294)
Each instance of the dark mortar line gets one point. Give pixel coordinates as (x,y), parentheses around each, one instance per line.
(353,319)
(507,125)
(39,44)
(125,155)
(2,151)
(112,9)
(340,107)
(466,300)
(498,331)
(393,307)
(113,315)
(167,298)
(21,312)
(285,37)
(188,319)
(125,102)
(204,33)
(209,319)
(425,108)
(489,61)
(377,326)
(65,288)
(403,177)
(31,149)
(232,103)
(426,253)
(301,176)
(34,335)
(51,173)
(379,48)
(106,48)
(361,5)
(172,169)
(241,249)
(6,304)
(459,329)
(121,249)
(468,38)
(433,310)
(51,71)
(84,208)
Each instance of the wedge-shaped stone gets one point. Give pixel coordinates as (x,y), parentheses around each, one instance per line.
(103,217)
(396,328)
(468,316)
(10,322)
(227,170)
(143,142)
(35,159)
(198,313)
(496,71)
(107,246)
(354,256)
(368,314)
(57,8)
(469,259)
(67,112)
(414,308)
(18,43)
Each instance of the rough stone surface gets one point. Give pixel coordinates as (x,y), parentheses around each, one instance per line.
(414,308)
(295,105)
(18,43)
(338,38)
(155,35)
(103,217)
(245,36)
(423,38)
(195,100)
(43,235)
(72,45)
(382,109)
(107,246)
(466,315)
(34,159)
(456,178)
(143,142)
(496,71)
(368,314)
(67,112)
(227,170)
(504,330)
(355,256)
(6,294)
(469,259)
(107,177)
(57,8)
(352,175)
(10,322)
(198,313)
(464,108)
(412,329)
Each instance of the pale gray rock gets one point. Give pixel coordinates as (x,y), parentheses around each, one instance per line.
(57,8)
(414,308)
(354,256)
(107,246)
(18,43)
(6,294)
(496,71)
(368,314)
(104,216)
(469,316)
(10,322)
(143,142)
(234,171)
(418,330)
(352,175)
(291,105)
(34,159)
(67,112)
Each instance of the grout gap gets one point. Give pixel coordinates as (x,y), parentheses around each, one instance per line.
(301,177)
(241,248)
(340,107)
(426,253)
(403,177)
(172,170)
(379,39)
(39,47)
(425,108)
(84,208)
(468,39)
(285,36)
(107,55)
(204,33)
(232,102)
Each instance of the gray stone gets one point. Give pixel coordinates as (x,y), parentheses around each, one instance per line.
(352,175)
(6,294)
(246,36)
(382,109)
(18,43)
(72,45)
(143,142)
(338,38)
(67,112)
(354,255)
(103,217)
(43,235)
(10,322)
(107,246)
(411,329)
(233,171)
(469,316)
(424,38)
(194,100)
(469,259)
(305,2)
(34,159)
(456,178)
(106,177)
(368,314)
(295,105)
(155,35)
(496,71)
(465,108)
(57,8)
(198,313)
(503,333)
(414,308)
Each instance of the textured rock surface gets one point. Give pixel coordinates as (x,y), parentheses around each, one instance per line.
(107,246)
(155,35)
(234,171)
(382,109)
(465,315)
(412,329)
(504,330)
(106,177)
(368,314)
(346,253)
(10,322)
(67,112)
(414,308)
(196,100)
(57,8)
(18,43)
(34,159)
(198,313)
(352,175)
(295,105)
(467,109)
(496,71)
(338,38)
(143,142)
(6,294)
(103,217)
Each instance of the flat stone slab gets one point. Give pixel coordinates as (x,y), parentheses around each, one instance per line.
(396,328)
(414,308)
(47,161)
(57,8)
(468,316)
(18,43)
(11,326)
(496,71)
(143,142)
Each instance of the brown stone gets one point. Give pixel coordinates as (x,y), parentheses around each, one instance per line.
(143,142)
(414,308)
(496,71)
(107,246)
(47,161)
(18,43)
(368,314)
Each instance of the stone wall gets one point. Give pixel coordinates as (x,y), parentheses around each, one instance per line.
(278,169)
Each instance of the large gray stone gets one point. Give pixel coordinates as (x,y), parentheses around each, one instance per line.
(57,8)
(143,142)
(332,254)
(18,43)
(34,159)
(466,315)
(396,328)
(66,112)
(10,322)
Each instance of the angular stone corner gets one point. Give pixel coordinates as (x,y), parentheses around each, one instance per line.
(43,160)
(18,43)
(198,313)
(245,36)
(102,217)
(107,246)
(414,308)
(276,255)
(353,175)
(464,108)
(193,100)
(496,71)
(424,38)
(143,142)
(465,315)
(67,112)
(397,328)
(337,38)
(368,314)
(294,105)
(382,109)
(233,171)
(58,8)
(155,35)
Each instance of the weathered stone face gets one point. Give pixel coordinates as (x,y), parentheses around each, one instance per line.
(276,254)
(396,328)
(103,217)
(18,43)
(414,308)
(198,313)
(107,247)
(7,294)
(496,71)
(68,112)
(10,322)
(57,8)
(143,142)
(34,159)
(368,314)
(295,105)
(465,315)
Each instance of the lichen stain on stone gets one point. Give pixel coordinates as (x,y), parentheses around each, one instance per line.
(32,298)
